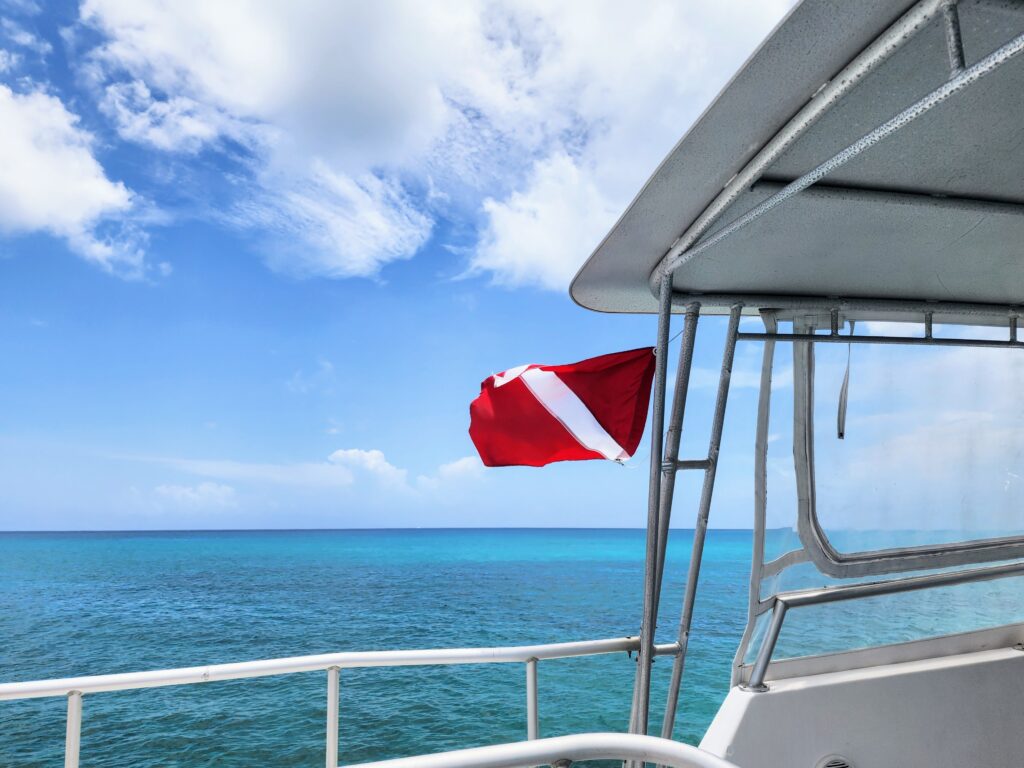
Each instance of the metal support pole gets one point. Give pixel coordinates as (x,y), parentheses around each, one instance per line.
(642,686)
(532,717)
(675,431)
(757,570)
(954,40)
(73,738)
(333,685)
(701,527)
(756,682)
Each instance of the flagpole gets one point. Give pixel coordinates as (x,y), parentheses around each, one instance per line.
(642,687)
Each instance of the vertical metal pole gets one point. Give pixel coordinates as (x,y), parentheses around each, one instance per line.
(642,687)
(954,39)
(532,718)
(764,656)
(333,693)
(73,738)
(764,406)
(701,527)
(675,430)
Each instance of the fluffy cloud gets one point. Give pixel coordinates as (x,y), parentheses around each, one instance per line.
(365,123)
(620,88)
(335,102)
(538,235)
(371,462)
(178,123)
(52,182)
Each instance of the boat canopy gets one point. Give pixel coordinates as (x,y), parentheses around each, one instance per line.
(862,153)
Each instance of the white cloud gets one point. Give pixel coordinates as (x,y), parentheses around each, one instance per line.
(619,87)
(8,60)
(467,466)
(345,468)
(371,462)
(330,224)
(334,100)
(26,7)
(202,496)
(537,236)
(178,123)
(453,474)
(366,122)
(23,38)
(52,182)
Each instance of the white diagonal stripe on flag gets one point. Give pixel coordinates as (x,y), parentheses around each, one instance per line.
(562,403)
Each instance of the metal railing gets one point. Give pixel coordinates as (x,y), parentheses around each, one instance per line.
(783,602)
(562,751)
(74,688)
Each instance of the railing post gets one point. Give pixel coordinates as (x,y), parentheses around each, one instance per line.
(73,739)
(764,657)
(532,718)
(333,681)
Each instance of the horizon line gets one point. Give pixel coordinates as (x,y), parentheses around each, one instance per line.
(341,530)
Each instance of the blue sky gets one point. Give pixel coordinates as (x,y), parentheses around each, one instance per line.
(256,258)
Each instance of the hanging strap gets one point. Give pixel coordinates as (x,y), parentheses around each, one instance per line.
(844,394)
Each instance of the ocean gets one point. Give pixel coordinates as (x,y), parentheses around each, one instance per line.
(92,603)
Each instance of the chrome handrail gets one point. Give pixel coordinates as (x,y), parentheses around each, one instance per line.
(781,603)
(332,663)
(564,750)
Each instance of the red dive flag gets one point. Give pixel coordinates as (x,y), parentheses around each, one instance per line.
(533,415)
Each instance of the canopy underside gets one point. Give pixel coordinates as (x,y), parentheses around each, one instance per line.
(934,212)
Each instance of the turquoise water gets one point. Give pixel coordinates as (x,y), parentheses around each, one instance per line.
(91,603)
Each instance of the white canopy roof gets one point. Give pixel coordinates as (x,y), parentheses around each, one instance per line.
(934,212)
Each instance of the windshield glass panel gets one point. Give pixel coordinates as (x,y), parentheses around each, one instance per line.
(933,448)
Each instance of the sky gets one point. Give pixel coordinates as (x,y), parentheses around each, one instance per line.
(256,257)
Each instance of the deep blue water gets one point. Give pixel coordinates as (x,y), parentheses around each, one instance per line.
(91,603)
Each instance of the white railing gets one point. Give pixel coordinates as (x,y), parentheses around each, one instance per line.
(565,750)
(75,687)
